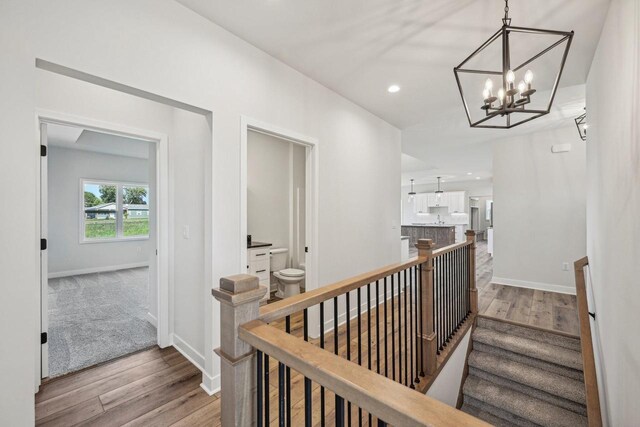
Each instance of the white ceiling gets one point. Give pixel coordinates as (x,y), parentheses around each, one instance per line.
(77,138)
(359,47)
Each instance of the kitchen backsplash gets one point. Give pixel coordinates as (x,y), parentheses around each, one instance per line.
(432,217)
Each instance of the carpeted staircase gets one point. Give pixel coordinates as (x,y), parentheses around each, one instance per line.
(524,376)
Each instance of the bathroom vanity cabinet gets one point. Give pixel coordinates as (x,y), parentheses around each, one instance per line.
(258,263)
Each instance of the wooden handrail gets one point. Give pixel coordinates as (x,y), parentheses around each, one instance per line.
(297,303)
(383,398)
(450,248)
(594,415)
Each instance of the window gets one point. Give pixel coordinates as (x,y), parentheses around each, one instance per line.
(114,211)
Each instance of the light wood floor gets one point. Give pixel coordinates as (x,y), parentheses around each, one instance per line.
(153,387)
(160,387)
(548,310)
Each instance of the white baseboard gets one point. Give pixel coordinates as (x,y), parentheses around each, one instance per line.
(58,274)
(534,285)
(187,351)
(210,384)
(152,319)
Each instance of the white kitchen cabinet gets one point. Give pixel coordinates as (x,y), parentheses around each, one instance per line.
(420,203)
(437,200)
(259,264)
(455,201)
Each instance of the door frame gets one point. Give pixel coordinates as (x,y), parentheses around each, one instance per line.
(162,212)
(311,192)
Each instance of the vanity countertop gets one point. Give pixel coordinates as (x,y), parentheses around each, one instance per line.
(255,244)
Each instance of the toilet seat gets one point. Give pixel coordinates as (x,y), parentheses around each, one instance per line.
(292,272)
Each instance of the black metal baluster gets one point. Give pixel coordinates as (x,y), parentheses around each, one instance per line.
(267,412)
(348,317)
(399,329)
(441,315)
(406,343)
(384,301)
(339,411)
(308,414)
(412,335)
(358,293)
(418,323)
(381,423)
(448,299)
(322,402)
(281,395)
(369,332)
(377,326)
(393,333)
(420,309)
(259,387)
(288,376)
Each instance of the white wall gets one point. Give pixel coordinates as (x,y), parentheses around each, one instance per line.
(66,168)
(446,387)
(268,189)
(275,174)
(163,48)
(613,203)
(538,209)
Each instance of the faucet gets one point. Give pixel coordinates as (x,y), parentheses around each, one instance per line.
(440,222)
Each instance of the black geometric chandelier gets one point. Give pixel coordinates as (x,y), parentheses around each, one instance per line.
(493,98)
(581,124)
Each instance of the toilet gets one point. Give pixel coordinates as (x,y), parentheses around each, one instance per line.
(289,279)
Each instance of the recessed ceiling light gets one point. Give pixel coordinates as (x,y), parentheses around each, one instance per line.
(393,89)
(477,177)
(469,173)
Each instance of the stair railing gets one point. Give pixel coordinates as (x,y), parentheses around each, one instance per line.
(594,415)
(354,351)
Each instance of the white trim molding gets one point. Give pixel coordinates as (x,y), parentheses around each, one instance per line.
(67,273)
(210,383)
(534,285)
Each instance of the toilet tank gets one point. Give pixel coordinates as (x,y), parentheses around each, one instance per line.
(279,259)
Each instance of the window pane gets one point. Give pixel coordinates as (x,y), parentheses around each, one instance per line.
(99,211)
(135,211)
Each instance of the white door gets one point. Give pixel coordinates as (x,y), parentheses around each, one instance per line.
(44,269)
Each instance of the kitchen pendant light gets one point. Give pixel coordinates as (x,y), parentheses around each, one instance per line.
(581,124)
(511,103)
(412,194)
(439,191)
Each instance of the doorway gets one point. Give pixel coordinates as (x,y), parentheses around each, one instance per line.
(100,211)
(278,208)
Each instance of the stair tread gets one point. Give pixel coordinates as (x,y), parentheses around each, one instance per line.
(521,405)
(529,347)
(526,331)
(530,361)
(485,416)
(540,379)
(495,416)
(530,391)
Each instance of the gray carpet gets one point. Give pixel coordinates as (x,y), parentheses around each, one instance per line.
(97,317)
(523,376)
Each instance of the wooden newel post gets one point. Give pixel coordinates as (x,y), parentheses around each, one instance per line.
(429,356)
(473,291)
(239,298)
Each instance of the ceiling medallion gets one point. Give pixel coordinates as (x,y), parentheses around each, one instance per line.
(512,104)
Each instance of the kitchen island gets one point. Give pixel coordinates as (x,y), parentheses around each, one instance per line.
(442,235)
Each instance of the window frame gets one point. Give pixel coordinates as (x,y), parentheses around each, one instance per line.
(120,237)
